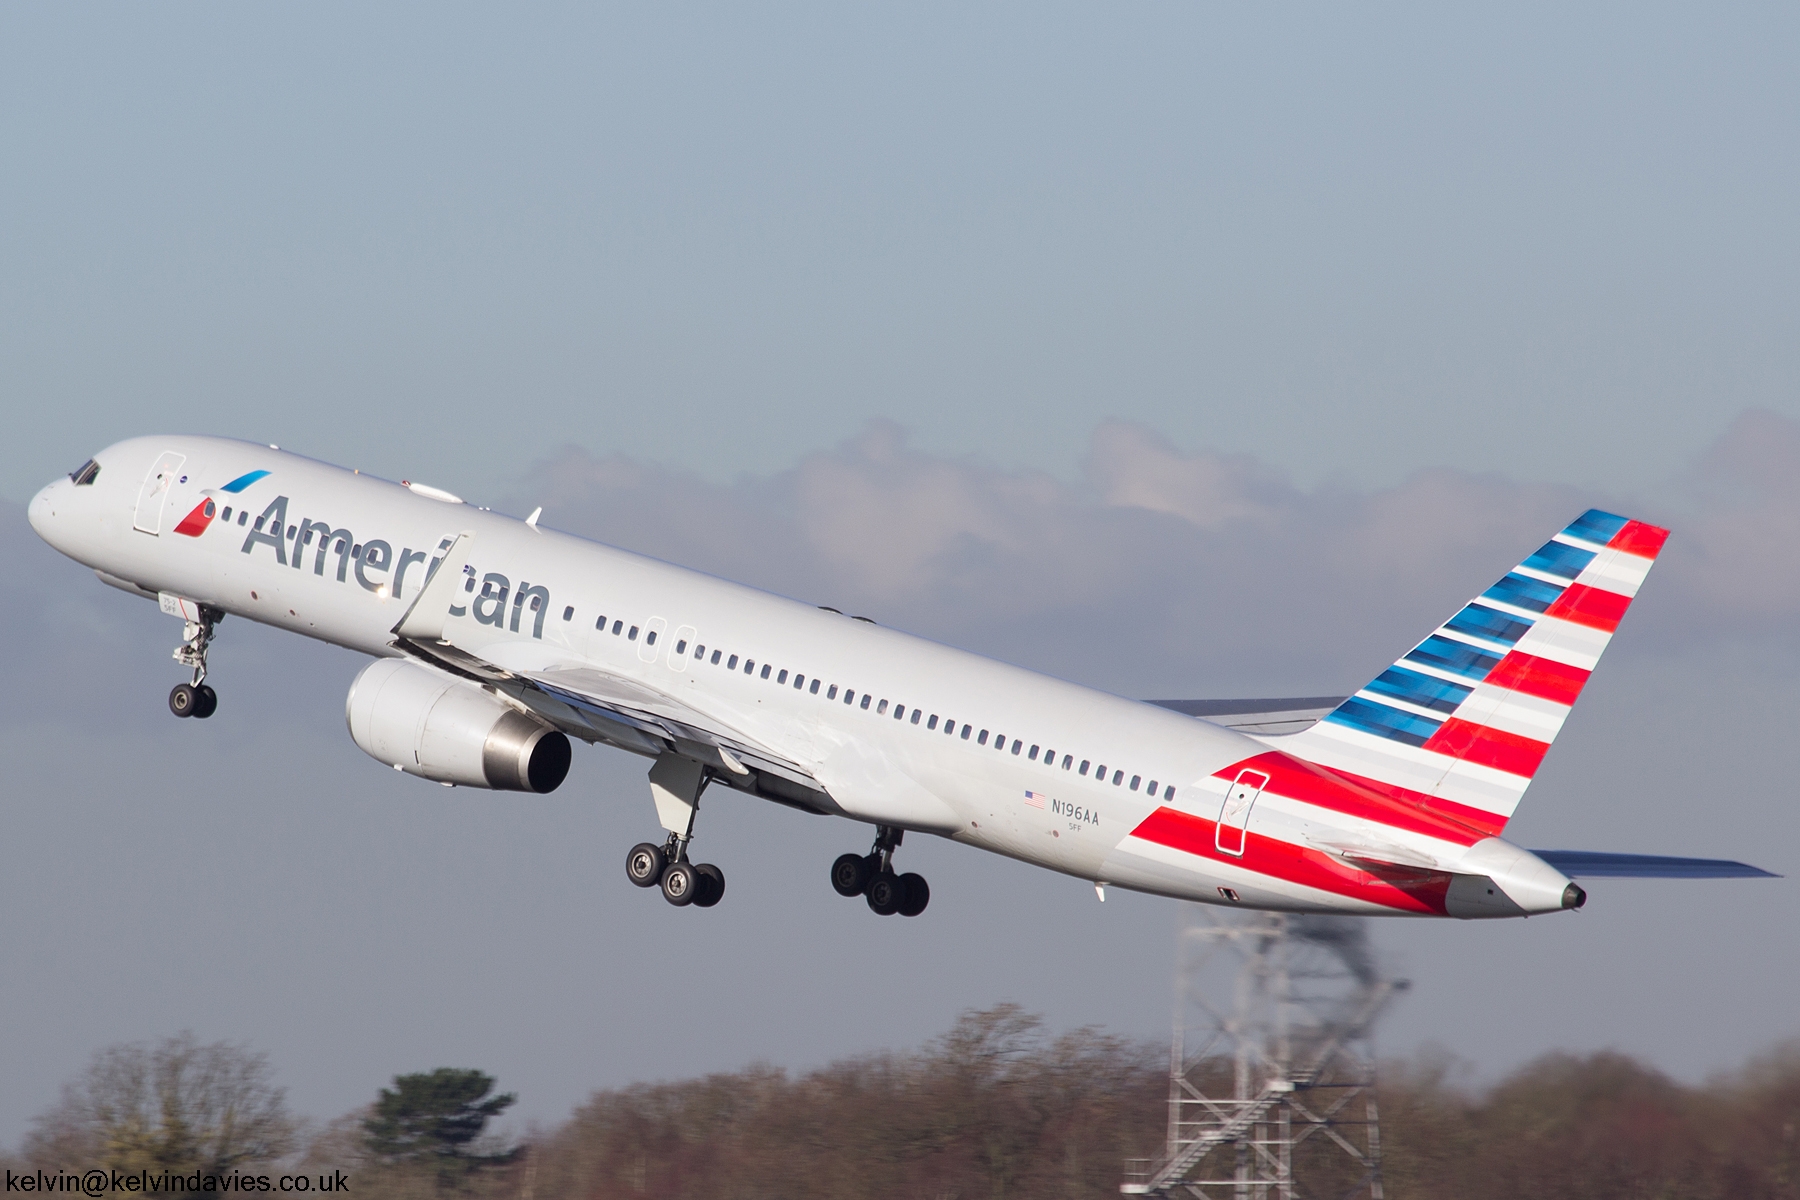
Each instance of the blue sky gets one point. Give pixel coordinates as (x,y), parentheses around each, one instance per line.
(1112,308)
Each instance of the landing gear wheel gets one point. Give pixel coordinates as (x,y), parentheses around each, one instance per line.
(710,885)
(680,884)
(851,873)
(208,702)
(917,893)
(644,865)
(184,698)
(886,894)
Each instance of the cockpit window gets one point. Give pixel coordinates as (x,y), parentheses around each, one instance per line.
(86,473)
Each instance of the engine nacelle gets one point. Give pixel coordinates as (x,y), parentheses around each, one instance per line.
(441,728)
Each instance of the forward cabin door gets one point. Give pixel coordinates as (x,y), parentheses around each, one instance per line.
(155,491)
(1234,811)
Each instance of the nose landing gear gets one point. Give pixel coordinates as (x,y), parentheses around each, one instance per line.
(194,699)
(872,876)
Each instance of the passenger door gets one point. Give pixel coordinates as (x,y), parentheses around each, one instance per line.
(1234,811)
(155,491)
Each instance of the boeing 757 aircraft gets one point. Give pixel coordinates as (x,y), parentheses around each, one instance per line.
(497,641)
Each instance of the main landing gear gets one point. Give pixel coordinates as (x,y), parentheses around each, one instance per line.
(195,699)
(872,875)
(675,785)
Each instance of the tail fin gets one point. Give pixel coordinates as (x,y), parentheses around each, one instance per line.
(1462,721)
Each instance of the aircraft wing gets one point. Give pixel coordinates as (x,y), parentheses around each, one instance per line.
(596,705)
(1283,715)
(1591,864)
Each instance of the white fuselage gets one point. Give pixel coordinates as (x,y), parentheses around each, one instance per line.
(1038,768)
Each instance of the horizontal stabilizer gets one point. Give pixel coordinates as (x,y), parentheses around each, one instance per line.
(1284,715)
(1591,864)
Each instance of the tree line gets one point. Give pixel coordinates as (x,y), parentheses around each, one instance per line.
(996,1107)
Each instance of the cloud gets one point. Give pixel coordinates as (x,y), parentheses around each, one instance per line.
(1163,571)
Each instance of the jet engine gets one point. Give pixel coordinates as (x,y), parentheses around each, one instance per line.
(439,727)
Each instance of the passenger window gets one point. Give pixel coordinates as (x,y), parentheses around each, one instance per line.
(681,647)
(1067,759)
(982,740)
(1017,744)
(831,692)
(715,658)
(226,515)
(632,635)
(1000,742)
(1033,755)
(1150,791)
(569,613)
(782,678)
(931,724)
(917,714)
(1117,776)
(731,663)
(243,515)
(1169,792)
(880,709)
(865,703)
(259,523)
(813,688)
(649,638)
(965,732)
(617,626)
(849,696)
(699,652)
(749,665)
(765,671)
(1084,766)
(799,682)
(600,624)
(1135,780)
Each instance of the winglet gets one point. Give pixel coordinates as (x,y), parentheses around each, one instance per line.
(424,621)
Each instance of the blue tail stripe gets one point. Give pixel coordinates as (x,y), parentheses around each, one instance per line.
(1478,620)
(1382,721)
(1458,658)
(1595,525)
(1560,558)
(1426,691)
(1522,591)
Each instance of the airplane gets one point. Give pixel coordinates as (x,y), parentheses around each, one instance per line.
(497,642)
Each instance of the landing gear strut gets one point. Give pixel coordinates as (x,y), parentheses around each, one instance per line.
(675,785)
(194,699)
(872,875)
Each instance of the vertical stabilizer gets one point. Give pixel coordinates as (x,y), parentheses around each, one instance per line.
(1462,721)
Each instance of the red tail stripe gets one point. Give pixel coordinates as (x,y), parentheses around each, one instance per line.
(1591,606)
(1479,744)
(1416,892)
(1544,678)
(1368,799)
(1639,538)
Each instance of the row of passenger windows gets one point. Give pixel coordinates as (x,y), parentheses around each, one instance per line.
(914,716)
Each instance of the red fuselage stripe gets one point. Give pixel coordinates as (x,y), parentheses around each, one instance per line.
(1403,890)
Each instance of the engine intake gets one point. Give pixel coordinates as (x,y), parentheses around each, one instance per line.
(444,729)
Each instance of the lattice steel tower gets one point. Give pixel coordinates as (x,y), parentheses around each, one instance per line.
(1271,1071)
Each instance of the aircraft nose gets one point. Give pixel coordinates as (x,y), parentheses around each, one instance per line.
(43,507)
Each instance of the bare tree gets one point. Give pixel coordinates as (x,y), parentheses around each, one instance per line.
(174,1106)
